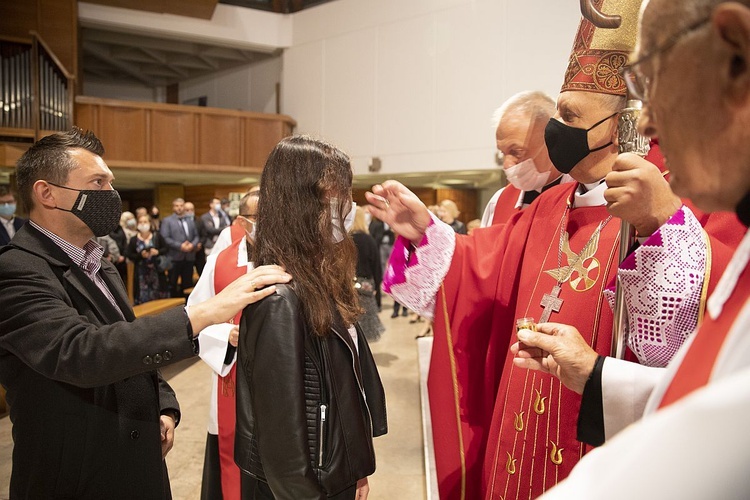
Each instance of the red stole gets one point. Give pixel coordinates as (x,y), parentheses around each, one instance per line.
(506,204)
(236,232)
(496,276)
(695,369)
(225,272)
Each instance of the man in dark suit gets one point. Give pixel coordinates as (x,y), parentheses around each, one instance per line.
(182,238)
(200,254)
(9,223)
(214,221)
(92,418)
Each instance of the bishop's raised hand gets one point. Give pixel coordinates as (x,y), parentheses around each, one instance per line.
(401,209)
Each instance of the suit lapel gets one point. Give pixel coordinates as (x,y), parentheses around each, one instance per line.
(106,312)
(4,240)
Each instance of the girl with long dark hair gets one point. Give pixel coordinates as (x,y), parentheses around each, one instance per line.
(309,397)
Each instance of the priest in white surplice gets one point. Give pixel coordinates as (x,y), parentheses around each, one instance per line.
(690,440)
(229,259)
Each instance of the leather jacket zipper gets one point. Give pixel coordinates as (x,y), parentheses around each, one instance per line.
(321,434)
(361,389)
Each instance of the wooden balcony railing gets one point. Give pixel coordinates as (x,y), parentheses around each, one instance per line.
(36,91)
(183,138)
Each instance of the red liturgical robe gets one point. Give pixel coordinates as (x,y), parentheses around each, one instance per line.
(497,276)
(507,205)
(226,272)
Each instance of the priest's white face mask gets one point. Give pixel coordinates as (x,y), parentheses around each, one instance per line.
(249,234)
(338,235)
(525,176)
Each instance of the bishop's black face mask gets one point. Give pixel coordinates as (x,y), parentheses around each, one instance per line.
(99,209)
(567,145)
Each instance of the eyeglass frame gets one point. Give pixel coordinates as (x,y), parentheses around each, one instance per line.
(632,76)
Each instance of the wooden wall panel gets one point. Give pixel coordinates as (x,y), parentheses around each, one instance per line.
(201,196)
(18,18)
(123,133)
(55,20)
(219,141)
(261,136)
(182,138)
(465,199)
(427,195)
(172,136)
(164,194)
(87,117)
(202,9)
(58,25)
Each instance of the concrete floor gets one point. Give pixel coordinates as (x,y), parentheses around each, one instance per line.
(400,454)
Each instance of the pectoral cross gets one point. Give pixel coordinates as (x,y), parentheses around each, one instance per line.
(551,302)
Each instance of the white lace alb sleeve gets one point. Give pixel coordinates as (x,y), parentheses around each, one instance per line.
(413,276)
(663,284)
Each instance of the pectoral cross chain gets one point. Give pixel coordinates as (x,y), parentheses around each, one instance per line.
(551,302)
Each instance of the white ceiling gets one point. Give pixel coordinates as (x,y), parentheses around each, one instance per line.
(111,56)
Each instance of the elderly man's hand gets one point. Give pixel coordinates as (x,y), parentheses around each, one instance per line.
(401,209)
(557,349)
(638,193)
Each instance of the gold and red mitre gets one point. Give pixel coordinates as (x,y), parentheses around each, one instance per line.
(599,53)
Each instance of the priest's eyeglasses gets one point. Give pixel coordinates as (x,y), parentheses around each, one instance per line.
(637,83)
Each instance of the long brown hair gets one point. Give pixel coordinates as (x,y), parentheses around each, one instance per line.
(301,180)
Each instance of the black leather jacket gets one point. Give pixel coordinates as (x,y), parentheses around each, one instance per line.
(307,406)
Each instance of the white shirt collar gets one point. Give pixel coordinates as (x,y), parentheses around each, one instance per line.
(593,197)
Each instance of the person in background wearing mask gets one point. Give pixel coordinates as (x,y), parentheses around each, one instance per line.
(200,255)
(221,476)
(155,217)
(140,212)
(182,238)
(214,222)
(519,135)
(369,276)
(225,207)
(9,223)
(121,240)
(91,416)
(128,224)
(144,249)
(309,397)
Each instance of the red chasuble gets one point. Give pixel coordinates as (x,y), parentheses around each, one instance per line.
(505,207)
(226,272)
(497,275)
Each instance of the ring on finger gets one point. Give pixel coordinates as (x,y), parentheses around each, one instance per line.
(252,284)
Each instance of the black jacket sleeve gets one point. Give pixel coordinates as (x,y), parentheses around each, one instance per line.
(591,414)
(49,324)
